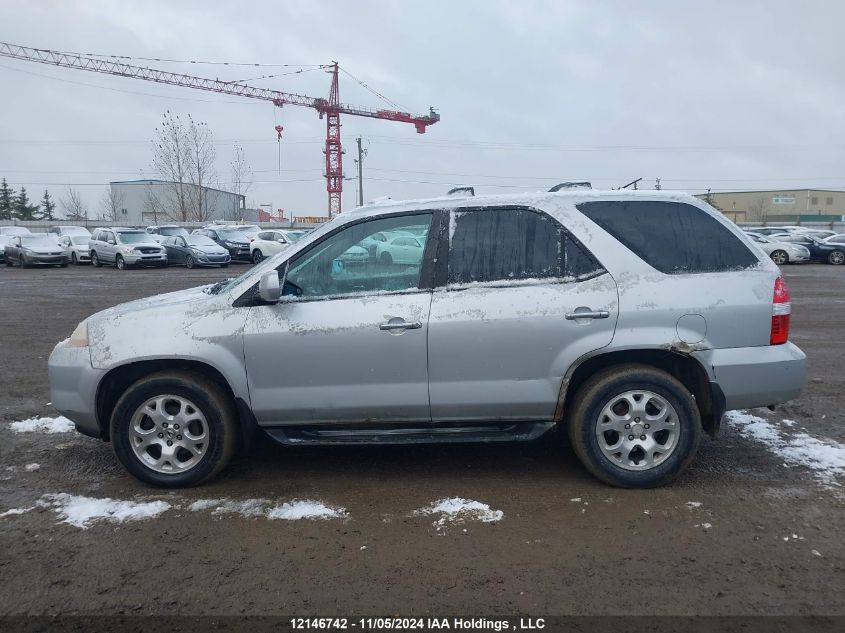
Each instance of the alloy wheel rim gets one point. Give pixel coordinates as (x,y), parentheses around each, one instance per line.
(837,258)
(169,434)
(637,430)
(779,258)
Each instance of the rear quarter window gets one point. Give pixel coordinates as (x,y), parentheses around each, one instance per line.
(672,237)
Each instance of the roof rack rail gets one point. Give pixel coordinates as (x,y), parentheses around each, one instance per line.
(571,185)
(457,190)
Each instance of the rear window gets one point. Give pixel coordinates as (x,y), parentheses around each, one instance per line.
(673,237)
(510,244)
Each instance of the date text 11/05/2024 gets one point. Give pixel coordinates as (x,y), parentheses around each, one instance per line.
(417,624)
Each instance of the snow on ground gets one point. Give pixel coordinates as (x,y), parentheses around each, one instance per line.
(82,512)
(31,468)
(825,457)
(13,511)
(457,510)
(289,510)
(59,424)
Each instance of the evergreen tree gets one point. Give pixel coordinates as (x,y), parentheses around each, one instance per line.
(47,207)
(22,208)
(7,195)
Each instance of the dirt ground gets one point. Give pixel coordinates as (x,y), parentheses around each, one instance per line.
(765,539)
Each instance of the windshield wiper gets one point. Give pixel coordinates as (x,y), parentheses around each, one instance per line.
(213,290)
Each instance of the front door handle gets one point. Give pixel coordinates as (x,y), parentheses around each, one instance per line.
(586,313)
(400,325)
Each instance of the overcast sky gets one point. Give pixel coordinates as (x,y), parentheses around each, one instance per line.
(721,95)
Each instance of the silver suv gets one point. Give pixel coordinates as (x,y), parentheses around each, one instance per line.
(125,247)
(633,320)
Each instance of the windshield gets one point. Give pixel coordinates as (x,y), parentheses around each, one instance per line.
(28,241)
(79,239)
(170,231)
(199,240)
(132,238)
(232,236)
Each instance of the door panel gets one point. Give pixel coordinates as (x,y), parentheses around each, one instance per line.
(329,360)
(501,353)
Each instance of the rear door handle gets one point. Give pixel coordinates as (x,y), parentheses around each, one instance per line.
(587,314)
(401,325)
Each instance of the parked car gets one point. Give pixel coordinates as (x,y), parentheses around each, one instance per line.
(195,250)
(781,252)
(69,230)
(250,230)
(166,230)
(34,249)
(404,249)
(373,242)
(267,243)
(820,250)
(524,313)
(125,248)
(836,239)
(76,248)
(4,239)
(236,243)
(14,230)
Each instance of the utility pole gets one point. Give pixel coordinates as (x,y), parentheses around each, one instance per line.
(360,162)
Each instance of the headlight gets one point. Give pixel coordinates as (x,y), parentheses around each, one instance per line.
(198,252)
(126,250)
(79,338)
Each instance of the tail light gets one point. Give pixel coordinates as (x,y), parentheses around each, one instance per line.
(781,309)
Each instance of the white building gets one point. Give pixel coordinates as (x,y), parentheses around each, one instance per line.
(145,202)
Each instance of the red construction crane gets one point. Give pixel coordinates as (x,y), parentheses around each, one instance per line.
(330,108)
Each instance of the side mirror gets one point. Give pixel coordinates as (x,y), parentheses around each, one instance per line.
(268,287)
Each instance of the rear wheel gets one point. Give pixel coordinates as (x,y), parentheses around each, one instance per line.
(837,258)
(780,257)
(257,256)
(119,263)
(95,260)
(174,429)
(634,426)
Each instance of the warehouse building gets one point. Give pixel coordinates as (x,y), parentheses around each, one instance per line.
(139,202)
(779,205)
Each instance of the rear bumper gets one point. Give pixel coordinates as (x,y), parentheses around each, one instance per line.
(756,376)
(73,387)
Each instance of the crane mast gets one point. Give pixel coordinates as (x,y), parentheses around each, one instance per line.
(330,108)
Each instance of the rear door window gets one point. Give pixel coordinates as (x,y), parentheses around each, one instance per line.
(672,237)
(513,244)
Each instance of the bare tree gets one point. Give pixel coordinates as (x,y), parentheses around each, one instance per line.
(241,175)
(183,157)
(73,205)
(111,204)
(170,162)
(758,209)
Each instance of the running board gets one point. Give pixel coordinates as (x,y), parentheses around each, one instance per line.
(407,434)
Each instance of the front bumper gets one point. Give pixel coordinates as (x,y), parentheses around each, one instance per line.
(212,260)
(139,259)
(756,376)
(73,387)
(241,254)
(46,260)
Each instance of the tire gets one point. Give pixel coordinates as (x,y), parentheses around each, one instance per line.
(780,257)
(73,259)
(618,387)
(386,259)
(9,263)
(95,260)
(119,263)
(837,258)
(257,256)
(22,261)
(189,261)
(197,401)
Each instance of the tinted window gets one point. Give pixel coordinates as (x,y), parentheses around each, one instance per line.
(672,237)
(502,244)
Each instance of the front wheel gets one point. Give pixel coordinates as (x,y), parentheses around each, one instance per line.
(22,261)
(837,258)
(189,262)
(73,259)
(634,426)
(386,259)
(257,256)
(119,263)
(174,429)
(95,260)
(780,257)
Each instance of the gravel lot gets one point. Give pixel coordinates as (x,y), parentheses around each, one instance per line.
(745,531)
